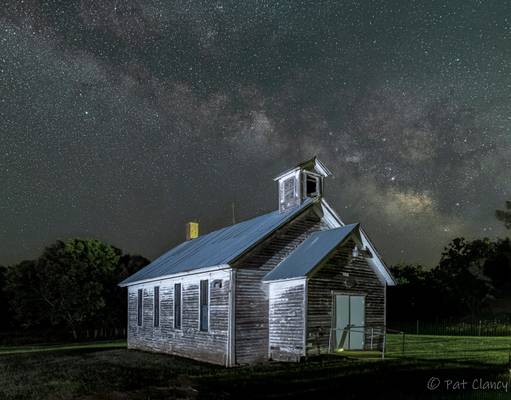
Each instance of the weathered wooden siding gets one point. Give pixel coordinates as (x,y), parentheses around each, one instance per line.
(188,341)
(287,320)
(267,322)
(331,278)
(251,309)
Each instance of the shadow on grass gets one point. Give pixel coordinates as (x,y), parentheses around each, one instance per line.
(351,379)
(88,373)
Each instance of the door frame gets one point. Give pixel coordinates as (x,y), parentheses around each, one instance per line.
(334,308)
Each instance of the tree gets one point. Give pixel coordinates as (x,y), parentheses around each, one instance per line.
(72,284)
(415,295)
(498,268)
(22,283)
(505,215)
(113,315)
(471,279)
(5,311)
(461,273)
(66,286)
(74,277)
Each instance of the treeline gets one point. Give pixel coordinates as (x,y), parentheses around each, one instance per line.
(69,291)
(472,281)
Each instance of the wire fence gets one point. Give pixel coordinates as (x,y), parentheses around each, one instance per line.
(384,342)
(456,328)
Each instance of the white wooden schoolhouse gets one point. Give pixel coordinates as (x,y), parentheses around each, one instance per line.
(282,286)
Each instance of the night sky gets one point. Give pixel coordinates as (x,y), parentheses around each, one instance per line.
(122,120)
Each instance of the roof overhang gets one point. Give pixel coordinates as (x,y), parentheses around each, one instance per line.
(333,220)
(314,163)
(203,270)
(312,252)
(296,278)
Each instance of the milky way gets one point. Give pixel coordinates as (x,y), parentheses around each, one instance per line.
(122,120)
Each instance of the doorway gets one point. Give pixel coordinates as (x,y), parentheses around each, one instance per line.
(349,321)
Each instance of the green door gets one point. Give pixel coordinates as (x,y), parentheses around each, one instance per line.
(349,321)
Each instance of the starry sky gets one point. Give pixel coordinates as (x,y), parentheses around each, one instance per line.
(122,120)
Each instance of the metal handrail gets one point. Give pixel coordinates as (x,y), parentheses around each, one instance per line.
(373,330)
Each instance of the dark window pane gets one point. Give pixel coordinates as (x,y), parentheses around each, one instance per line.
(204,304)
(139,307)
(156,306)
(177,306)
(311,185)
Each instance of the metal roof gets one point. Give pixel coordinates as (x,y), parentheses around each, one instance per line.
(310,253)
(216,248)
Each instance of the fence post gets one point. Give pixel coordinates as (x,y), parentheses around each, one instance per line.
(417,327)
(479,327)
(372,332)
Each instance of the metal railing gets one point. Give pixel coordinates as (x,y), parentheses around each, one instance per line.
(373,338)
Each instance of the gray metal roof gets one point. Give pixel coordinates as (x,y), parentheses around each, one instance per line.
(216,248)
(310,253)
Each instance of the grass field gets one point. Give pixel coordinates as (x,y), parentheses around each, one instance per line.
(61,347)
(479,349)
(106,370)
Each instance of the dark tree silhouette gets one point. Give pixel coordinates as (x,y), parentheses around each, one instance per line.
(461,272)
(505,215)
(73,284)
(22,289)
(5,313)
(414,296)
(472,279)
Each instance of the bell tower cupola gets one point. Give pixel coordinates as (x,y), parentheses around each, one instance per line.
(301,182)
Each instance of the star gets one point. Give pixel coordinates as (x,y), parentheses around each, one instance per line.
(123,125)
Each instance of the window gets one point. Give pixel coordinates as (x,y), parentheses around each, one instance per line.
(156,304)
(204,305)
(139,307)
(177,306)
(312,184)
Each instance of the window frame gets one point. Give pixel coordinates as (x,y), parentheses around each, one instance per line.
(208,304)
(180,285)
(156,299)
(317,179)
(140,307)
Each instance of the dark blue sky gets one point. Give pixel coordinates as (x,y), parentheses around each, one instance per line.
(122,120)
